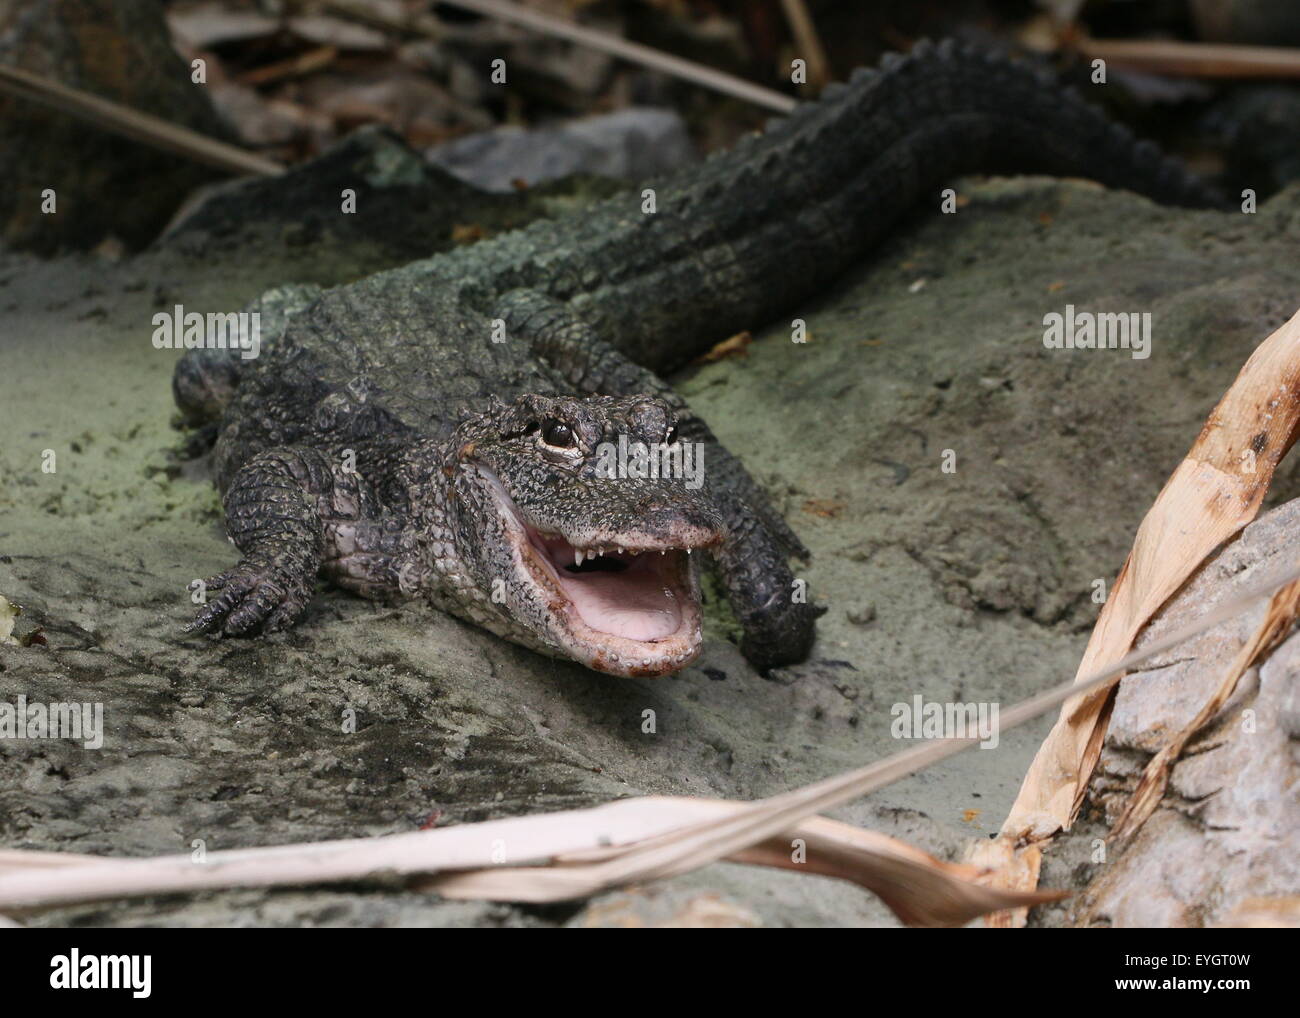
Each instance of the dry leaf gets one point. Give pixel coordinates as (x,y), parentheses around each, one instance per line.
(293,67)
(1266,913)
(827,508)
(919,889)
(467,233)
(549,857)
(212,24)
(8,612)
(736,346)
(1214,492)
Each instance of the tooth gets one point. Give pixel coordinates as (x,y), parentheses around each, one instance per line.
(620,551)
(577,557)
(591,554)
(688,551)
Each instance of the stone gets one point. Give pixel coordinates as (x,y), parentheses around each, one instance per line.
(1228,827)
(119,51)
(635,143)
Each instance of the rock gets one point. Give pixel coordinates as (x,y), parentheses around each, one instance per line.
(119,51)
(1228,828)
(861,616)
(406,210)
(636,143)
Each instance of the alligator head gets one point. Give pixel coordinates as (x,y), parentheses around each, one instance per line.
(578,517)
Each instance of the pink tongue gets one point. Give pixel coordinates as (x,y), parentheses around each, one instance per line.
(636,607)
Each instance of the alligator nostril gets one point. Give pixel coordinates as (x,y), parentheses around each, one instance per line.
(681,525)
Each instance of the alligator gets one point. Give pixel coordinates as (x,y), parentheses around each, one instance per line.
(440,430)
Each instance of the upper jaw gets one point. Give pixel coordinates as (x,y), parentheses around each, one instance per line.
(632,606)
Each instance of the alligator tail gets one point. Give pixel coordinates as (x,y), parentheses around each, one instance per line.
(753,232)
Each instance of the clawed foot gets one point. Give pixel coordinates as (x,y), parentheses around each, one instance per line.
(253,599)
(781,635)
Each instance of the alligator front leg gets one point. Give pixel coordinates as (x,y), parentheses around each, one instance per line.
(771,605)
(277,508)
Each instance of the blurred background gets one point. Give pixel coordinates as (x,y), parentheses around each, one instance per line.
(1213,80)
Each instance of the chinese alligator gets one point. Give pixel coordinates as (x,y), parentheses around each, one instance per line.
(437,430)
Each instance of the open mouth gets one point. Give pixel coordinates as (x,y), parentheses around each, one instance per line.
(626,606)
(634,595)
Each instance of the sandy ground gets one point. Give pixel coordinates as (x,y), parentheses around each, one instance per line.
(973,585)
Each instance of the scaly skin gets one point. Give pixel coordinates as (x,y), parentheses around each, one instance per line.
(400,376)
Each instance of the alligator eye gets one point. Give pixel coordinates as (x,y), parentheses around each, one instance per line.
(557,434)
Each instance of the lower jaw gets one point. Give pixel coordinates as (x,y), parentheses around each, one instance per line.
(647,661)
(612,654)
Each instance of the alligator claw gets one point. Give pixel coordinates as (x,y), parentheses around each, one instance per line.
(253,599)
